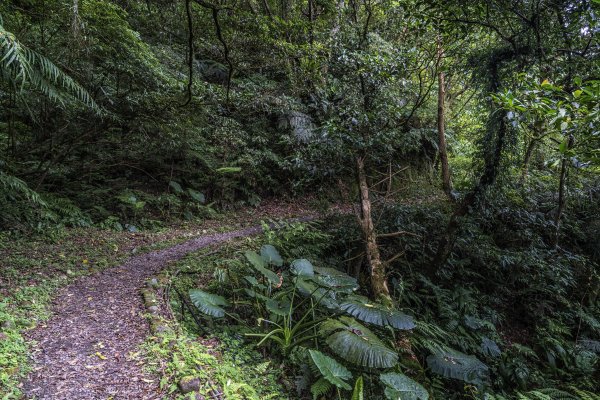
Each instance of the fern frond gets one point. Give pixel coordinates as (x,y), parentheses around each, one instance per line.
(585,395)
(320,388)
(24,67)
(14,188)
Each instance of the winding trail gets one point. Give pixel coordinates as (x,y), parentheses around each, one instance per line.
(87,349)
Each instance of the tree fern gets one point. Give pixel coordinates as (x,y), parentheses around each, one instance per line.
(13,188)
(23,67)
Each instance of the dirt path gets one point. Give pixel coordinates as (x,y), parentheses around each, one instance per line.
(87,349)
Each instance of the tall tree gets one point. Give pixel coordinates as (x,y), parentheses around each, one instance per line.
(441,123)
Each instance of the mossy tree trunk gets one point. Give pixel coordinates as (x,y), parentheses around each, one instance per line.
(377,268)
(446,181)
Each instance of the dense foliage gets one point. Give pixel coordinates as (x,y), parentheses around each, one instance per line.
(464,134)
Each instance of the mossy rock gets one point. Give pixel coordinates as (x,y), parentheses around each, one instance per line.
(189,384)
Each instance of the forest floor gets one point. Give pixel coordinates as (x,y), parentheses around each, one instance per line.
(88,348)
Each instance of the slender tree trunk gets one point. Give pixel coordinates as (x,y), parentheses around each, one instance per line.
(310,22)
(378,277)
(562,200)
(267,8)
(446,181)
(527,159)
(497,131)
(492,164)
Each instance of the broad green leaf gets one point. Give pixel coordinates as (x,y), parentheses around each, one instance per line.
(401,387)
(591,345)
(281,307)
(359,390)
(456,365)
(208,303)
(176,187)
(490,348)
(562,147)
(199,197)
(321,296)
(271,255)
(335,279)
(331,370)
(255,294)
(259,264)
(302,267)
(365,310)
(251,280)
(357,344)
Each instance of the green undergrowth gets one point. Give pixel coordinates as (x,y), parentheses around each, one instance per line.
(508,316)
(218,355)
(225,365)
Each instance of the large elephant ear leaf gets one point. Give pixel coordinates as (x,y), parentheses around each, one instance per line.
(357,344)
(259,264)
(208,303)
(367,311)
(591,345)
(321,296)
(331,370)
(271,255)
(490,348)
(302,267)
(456,365)
(281,307)
(334,279)
(401,387)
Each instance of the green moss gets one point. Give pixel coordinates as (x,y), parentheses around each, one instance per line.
(223,364)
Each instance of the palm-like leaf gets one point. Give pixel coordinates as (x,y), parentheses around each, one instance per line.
(365,310)
(401,387)
(331,370)
(357,344)
(208,303)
